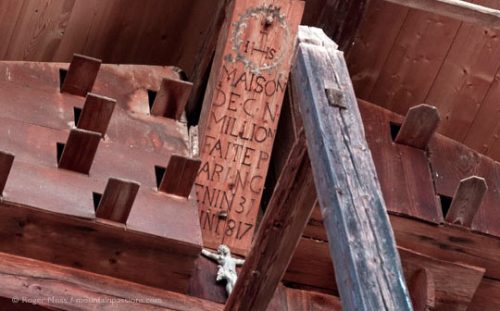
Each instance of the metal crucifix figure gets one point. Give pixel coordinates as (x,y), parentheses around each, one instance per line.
(227,266)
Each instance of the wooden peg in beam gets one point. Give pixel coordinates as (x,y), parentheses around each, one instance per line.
(171,99)
(81,75)
(418,127)
(96,113)
(422,290)
(466,201)
(117,200)
(79,151)
(6,161)
(179,176)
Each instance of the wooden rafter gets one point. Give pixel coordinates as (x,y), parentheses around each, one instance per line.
(461,10)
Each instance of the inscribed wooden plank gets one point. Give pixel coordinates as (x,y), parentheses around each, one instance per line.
(349,194)
(240,115)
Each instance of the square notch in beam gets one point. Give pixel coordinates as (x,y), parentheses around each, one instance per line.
(6,161)
(79,151)
(117,200)
(179,176)
(81,75)
(171,99)
(96,113)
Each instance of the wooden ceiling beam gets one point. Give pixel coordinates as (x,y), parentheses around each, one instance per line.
(279,233)
(457,9)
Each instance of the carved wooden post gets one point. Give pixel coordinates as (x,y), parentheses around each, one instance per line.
(367,265)
(240,115)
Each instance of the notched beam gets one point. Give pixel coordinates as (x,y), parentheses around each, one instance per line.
(467,200)
(6,161)
(79,151)
(96,113)
(81,75)
(179,175)
(418,126)
(171,99)
(117,200)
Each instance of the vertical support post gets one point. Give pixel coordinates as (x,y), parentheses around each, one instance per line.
(367,265)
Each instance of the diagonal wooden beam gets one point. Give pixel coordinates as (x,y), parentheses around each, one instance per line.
(361,242)
(279,233)
(457,9)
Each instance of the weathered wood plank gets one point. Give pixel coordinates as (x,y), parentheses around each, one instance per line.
(279,233)
(487,296)
(46,284)
(455,282)
(96,113)
(81,75)
(461,10)
(79,151)
(6,160)
(171,98)
(240,114)
(466,201)
(418,126)
(117,200)
(369,274)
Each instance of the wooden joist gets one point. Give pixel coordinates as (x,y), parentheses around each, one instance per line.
(466,201)
(178,178)
(369,274)
(418,126)
(79,151)
(422,290)
(96,113)
(171,99)
(461,10)
(117,200)
(81,75)
(6,160)
(278,235)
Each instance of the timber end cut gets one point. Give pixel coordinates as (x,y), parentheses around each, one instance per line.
(240,115)
(92,203)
